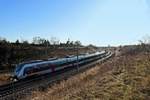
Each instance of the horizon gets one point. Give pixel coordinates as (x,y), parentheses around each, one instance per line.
(97,22)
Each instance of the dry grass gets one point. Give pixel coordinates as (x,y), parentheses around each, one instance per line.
(123,78)
(4,78)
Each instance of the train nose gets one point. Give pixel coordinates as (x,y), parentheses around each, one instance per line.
(16,75)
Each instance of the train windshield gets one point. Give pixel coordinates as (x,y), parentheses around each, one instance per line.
(19,67)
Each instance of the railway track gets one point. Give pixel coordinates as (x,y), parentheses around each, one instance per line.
(16,89)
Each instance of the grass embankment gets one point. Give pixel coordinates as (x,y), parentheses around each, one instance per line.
(122,78)
(4,78)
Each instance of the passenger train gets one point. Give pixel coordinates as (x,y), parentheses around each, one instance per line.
(39,67)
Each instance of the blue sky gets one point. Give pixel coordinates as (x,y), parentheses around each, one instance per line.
(99,22)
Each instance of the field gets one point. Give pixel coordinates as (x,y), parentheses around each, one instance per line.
(125,77)
(4,78)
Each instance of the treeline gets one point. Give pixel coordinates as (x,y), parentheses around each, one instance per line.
(38,41)
(12,53)
(142,47)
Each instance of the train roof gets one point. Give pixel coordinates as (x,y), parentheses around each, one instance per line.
(50,59)
(31,61)
(55,60)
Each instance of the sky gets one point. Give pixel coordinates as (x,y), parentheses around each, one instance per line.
(98,22)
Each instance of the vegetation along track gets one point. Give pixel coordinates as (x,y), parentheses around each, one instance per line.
(15,89)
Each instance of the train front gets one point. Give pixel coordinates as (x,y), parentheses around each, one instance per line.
(18,73)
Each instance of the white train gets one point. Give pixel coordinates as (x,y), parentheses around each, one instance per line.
(38,67)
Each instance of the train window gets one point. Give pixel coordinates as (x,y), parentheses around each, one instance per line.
(26,70)
(29,70)
(43,67)
(19,67)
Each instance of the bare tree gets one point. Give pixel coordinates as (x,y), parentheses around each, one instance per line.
(17,42)
(144,44)
(146,39)
(35,40)
(38,40)
(3,40)
(54,41)
(77,43)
